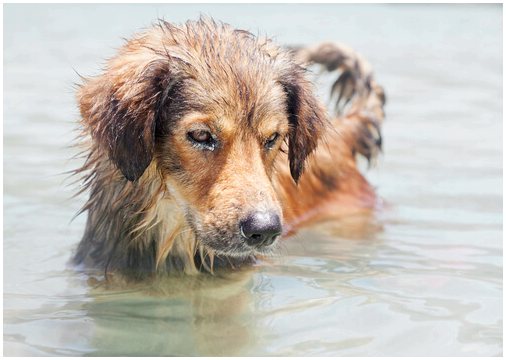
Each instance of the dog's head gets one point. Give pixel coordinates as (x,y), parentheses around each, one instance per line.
(213,108)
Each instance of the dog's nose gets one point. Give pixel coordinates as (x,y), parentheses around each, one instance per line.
(261,228)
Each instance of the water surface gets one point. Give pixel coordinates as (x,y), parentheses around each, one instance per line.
(424,277)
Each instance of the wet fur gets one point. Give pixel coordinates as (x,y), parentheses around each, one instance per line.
(155,206)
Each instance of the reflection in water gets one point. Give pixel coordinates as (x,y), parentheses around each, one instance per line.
(191,315)
(421,276)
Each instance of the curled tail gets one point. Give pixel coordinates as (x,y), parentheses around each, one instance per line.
(359,99)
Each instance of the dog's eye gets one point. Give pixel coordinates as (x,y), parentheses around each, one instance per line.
(271,141)
(202,138)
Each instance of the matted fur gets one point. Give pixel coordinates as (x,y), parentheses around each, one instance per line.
(158,203)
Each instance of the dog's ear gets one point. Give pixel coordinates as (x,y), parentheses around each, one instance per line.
(306,117)
(119,108)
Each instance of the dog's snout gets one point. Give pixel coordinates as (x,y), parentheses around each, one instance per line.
(261,228)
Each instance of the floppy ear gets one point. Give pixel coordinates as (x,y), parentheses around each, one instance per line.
(119,108)
(306,118)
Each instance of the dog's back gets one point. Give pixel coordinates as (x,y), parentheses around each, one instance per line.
(332,186)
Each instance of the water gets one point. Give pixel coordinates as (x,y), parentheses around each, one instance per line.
(424,277)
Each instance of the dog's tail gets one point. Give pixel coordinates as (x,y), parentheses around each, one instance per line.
(355,88)
(359,99)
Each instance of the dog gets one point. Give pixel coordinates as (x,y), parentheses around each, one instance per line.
(206,144)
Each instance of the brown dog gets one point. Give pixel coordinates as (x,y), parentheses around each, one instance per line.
(203,148)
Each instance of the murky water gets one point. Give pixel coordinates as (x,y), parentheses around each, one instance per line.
(423,278)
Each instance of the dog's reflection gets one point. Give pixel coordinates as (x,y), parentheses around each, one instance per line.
(179,316)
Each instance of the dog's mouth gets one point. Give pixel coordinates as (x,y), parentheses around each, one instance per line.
(235,246)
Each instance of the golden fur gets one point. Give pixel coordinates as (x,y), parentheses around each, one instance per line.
(160,202)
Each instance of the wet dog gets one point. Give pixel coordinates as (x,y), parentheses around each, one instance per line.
(205,144)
